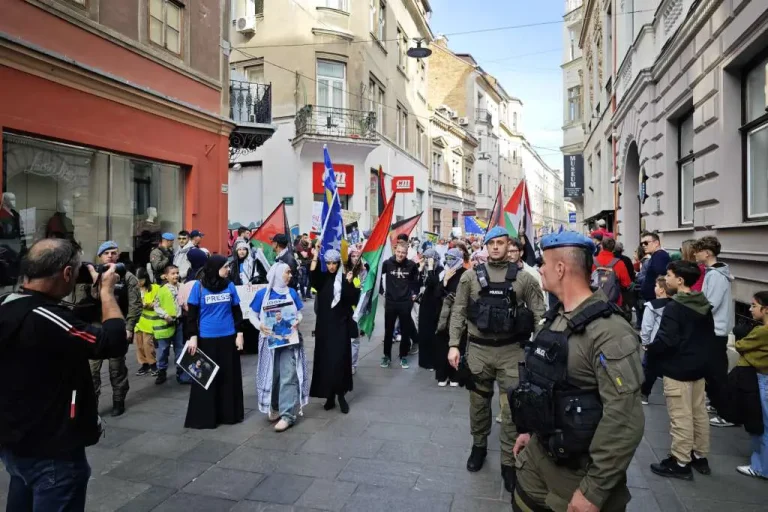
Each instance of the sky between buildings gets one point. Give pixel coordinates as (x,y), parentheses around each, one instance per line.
(506,54)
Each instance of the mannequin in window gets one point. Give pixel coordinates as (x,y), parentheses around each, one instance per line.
(10,220)
(149,223)
(60,224)
(11,241)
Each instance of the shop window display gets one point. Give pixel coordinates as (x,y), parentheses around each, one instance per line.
(59,190)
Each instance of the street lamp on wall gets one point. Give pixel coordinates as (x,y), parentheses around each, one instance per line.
(419,52)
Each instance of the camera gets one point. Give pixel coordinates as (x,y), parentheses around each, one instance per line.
(84,277)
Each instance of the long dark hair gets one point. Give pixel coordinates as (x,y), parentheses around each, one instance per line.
(141,273)
(210,277)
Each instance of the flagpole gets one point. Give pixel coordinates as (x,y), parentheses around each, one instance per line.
(328,217)
(492,210)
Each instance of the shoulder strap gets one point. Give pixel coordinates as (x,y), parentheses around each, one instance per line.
(482,275)
(551,313)
(512,272)
(599,309)
(613,262)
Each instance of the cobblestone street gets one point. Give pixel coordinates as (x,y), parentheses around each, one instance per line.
(403,447)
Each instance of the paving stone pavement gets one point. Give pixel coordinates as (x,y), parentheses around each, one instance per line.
(402,447)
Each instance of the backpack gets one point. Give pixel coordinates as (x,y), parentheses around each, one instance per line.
(605,279)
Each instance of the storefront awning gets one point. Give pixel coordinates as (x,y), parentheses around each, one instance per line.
(608,215)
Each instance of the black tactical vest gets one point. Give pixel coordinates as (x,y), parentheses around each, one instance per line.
(496,311)
(563,416)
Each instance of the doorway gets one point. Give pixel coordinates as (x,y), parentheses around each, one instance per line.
(630,226)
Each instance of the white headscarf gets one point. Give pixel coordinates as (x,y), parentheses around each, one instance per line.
(276,282)
(334,256)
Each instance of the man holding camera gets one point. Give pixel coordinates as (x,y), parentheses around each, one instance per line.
(50,415)
(499,305)
(128,297)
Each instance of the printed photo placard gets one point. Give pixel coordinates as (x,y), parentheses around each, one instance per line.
(281,318)
(200,367)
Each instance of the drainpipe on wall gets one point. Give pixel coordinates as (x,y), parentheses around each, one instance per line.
(616,184)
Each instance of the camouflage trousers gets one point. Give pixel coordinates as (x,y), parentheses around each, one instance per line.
(489,364)
(118,377)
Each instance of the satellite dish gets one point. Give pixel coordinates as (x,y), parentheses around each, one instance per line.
(419,52)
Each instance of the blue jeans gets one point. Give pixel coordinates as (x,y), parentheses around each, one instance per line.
(46,485)
(285,384)
(759,460)
(164,352)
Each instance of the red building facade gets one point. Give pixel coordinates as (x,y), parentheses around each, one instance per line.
(106,134)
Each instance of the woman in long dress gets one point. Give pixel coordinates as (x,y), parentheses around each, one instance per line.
(429,307)
(213,323)
(449,282)
(282,387)
(336,295)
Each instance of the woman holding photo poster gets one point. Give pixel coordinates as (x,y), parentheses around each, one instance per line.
(282,387)
(334,331)
(213,324)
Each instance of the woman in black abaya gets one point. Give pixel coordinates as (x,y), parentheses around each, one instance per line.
(213,324)
(429,307)
(332,367)
(446,291)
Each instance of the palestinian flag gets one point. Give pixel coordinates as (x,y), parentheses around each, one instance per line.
(496,218)
(276,223)
(518,220)
(403,227)
(375,252)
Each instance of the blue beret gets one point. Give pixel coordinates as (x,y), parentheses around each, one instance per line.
(566,239)
(495,232)
(106,246)
(169,236)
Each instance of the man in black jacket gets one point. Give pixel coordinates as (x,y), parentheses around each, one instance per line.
(49,415)
(400,290)
(683,350)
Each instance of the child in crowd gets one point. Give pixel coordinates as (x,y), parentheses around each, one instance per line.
(650,325)
(168,309)
(144,332)
(683,349)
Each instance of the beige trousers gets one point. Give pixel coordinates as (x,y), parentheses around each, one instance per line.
(145,347)
(688,418)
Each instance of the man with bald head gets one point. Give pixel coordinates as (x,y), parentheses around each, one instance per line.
(49,412)
(578,403)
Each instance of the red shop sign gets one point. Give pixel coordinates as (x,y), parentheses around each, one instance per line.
(345,178)
(402,184)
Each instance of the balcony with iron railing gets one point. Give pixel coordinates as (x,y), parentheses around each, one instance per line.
(321,122)
(250,108)
(483,116)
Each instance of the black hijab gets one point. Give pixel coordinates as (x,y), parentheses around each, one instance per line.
(211,279)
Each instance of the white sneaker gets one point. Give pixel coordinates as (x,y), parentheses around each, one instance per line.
(748,471)
(282,426)
(454,384)
(717,421)
(443,384)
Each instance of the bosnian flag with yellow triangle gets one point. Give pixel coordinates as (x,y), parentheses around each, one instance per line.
(518,220)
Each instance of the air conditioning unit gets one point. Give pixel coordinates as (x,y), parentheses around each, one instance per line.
(464,121)
(246,24)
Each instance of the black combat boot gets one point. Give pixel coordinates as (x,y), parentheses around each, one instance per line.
(162,376)
(118,407)
(509,476)
(476,458)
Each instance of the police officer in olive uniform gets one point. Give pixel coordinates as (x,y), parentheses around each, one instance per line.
(129,299)
(498,305)
(577,407)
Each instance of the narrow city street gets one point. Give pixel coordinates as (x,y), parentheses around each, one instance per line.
(403,447)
